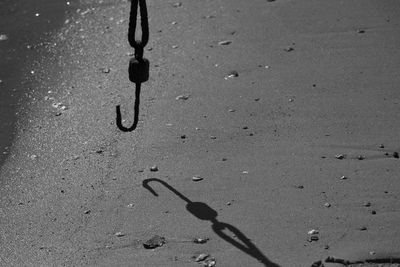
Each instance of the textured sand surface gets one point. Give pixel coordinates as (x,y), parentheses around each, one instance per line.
(266,142)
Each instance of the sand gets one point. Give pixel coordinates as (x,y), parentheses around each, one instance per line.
(316,79)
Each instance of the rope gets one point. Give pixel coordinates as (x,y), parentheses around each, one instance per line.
(138,45)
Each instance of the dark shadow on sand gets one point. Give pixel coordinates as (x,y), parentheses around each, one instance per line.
(204,212)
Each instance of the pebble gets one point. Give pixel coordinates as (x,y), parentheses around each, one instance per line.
(182,97)
(3,37)
(154,242)
(200,240)
(224,42)
(340,156)
(105,70)
(197,178)
(367,204)
(313,232)
(154,168)
(119,234)
(232,74)
(210,262)
(202,257)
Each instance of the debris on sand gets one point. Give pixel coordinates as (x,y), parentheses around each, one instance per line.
(202,257)
(154,242)
(119,234)
(313,232)
(289,49)
(105,70)
(232,74)
(154,168)
(182,97)
(200,240)
(197,178)
(3,37)
(340,156)
(224,42)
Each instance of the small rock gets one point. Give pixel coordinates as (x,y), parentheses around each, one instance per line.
(362,228)
(119,234)
(154,242)
(361,31)
(231,110)
(300,186)
(87,211)
(211,262)
(154,168)
(178,4)
(289,49)
(202,257)
(183,136)
(313,232)
(105,70)
(395,155)
(197,178)
(130,205)
(33,156)
(182,97)
(232,74)
(381,146)
(340,156)
(343,178)
(367,204)
(224,42)
(326,247)
(175,46)
(360,157)
(373,212)
(213,137)
(3,37)
(327,205)
(200,240)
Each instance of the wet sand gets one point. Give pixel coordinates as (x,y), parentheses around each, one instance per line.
(27,26)
(304,138)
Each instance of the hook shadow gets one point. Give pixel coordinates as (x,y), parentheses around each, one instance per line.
(136,118)
(204,212)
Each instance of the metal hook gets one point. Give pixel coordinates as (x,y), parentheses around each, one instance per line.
(136,118)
